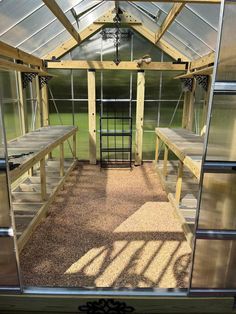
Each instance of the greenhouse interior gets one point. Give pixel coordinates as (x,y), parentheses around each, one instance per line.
(118,137)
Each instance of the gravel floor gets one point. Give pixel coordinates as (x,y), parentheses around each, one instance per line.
(108,228)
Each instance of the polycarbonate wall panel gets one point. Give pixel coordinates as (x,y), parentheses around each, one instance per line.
(215,237)
(8,83)
(208,13)
(226,70)
(199,104)
(222,133)
(214,265)
(218,210)
(12,120)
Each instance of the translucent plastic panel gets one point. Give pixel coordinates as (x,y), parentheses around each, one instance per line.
(12,120)
(28,26)
(51,44)
(81,118)
(143,47)
(222,134)
(60,85)
(226,70)
(199,107)
(198,27)
(8,84)
(4,194)
(12,11)
(180,46)
(218,202)
(89,50)
(207,12)
(190,41)
(150,115)
(153,10)
(8,267)
(214,264)
(169,115)
(171,89)
(80,84)
(116,84)
(152,85)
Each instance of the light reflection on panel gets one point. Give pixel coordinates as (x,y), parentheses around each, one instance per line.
(227,59)
(222,135)
(218,201)
(214,264)
(8,267)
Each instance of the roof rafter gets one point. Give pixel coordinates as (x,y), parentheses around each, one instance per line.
(162,44)
(175,10)
(203,61)
(57,11)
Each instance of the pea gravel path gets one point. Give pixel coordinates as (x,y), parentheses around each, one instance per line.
(108,228)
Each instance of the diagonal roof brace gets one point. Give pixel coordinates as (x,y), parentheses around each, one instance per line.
(57,11)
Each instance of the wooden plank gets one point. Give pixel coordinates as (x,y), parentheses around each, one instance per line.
(187,146)
(139,117)
(179,182)
(205,71)
(174,11)
(23,109)
(157,149)
(44,102)
(162,44)
(125,18)
(203,61)
(39,113)
(166,151)
(15,53)
(9,65)
(92,116)
(110,65)
(190,104)
(40,152)
(72,43)
(62,170)
(60,15)
(74,147)
(185,109)
(43,179)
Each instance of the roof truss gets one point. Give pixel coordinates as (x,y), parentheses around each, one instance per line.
(107,19)
(57,11)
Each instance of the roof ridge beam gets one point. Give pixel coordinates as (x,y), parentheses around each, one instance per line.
(174,11)
(57,11)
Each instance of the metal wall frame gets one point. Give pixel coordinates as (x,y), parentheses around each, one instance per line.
(220,280)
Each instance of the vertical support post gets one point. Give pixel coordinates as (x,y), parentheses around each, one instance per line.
(139,117)
(205,105)
(185,109)
(74,146)
(43,179)
(191,107)
(39,116)
(62,169)
(165,161)
(23,108)
(92,116)
(157,149)
(44,103)
(179,182)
